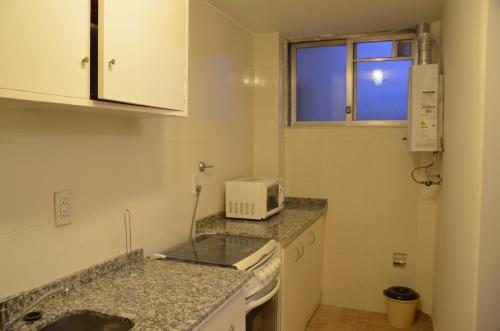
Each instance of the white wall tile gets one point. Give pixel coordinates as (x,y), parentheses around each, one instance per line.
(303,186)
(304,159)
(344,276)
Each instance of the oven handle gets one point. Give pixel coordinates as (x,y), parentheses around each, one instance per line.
(262,260)
(252,304)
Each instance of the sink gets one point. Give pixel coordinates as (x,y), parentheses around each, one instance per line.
(89,321)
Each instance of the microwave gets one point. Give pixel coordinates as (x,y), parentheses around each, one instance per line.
(254,198)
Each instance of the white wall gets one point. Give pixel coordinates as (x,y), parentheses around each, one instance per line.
(488,297)
(114,163)
(374,209)
(463,53)
(267,118)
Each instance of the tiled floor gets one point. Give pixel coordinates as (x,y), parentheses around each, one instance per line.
(330,318)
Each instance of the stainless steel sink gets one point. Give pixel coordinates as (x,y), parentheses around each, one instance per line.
(89,321)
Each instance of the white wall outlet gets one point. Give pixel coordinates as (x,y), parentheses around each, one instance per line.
(62,208)
(195,181)
(399,260)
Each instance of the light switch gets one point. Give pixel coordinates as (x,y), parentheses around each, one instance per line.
(62,208)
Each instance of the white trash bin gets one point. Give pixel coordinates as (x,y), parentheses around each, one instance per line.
(401,303)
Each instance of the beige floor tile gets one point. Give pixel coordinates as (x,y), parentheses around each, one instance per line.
(331,318)
(324,317)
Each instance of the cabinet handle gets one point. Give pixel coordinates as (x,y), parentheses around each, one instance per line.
(112,62)
(85,60)
(303,249)
(231,328)
(298,253)
(313,238)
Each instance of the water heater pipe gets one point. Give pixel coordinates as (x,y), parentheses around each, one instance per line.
(424,37)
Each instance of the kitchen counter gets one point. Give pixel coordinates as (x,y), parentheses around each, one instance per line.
(155,294)
(297,215)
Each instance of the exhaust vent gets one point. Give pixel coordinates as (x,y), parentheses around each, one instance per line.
(403,48)
(424,43)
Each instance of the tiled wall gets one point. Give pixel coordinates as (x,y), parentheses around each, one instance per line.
(374,210)
(112,163)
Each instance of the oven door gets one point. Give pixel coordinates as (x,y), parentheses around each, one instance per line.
(262,308)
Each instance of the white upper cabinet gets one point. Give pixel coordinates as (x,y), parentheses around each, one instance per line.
(143,52)
(45,47)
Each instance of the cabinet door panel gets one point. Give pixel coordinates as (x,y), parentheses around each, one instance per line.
(310,299)
(292,289)
(304,281)
(43,45)
(317,244)
(147,42)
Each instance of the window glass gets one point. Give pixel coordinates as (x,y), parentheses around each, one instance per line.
(382,90)
(321,83)
(375,49)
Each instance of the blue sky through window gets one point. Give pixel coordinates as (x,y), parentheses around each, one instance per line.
(375,49)
(321,83)
(382,90)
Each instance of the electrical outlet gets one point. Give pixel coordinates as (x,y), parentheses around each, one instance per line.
(62,208)
(399,260)
(195,181)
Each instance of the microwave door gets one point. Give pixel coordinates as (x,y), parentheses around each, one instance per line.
(273,197)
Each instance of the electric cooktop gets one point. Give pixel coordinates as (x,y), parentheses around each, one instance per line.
(220,250)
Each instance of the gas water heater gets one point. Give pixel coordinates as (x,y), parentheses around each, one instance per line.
(424,106)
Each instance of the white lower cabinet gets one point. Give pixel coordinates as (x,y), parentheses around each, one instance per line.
(302,277)
(230,317)
(315,242)
(292,303)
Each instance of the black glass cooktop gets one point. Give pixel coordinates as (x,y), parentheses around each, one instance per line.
(221,250)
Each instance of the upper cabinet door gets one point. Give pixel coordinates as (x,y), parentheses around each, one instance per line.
(143,52)
(45,46)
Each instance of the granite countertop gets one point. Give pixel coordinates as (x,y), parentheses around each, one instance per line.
(155,294)
(297,215)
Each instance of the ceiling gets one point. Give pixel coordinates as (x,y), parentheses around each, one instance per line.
(299,18)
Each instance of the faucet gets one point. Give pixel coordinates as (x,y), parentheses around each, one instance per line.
(6,323)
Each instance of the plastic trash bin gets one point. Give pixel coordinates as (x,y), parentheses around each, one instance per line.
(401,303)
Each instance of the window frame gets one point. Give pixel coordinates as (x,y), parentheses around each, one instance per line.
(349,42)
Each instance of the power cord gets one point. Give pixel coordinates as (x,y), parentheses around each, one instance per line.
(198,192)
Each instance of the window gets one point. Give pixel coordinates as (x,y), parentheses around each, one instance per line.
(321,83)
(381,90)
(355,81)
